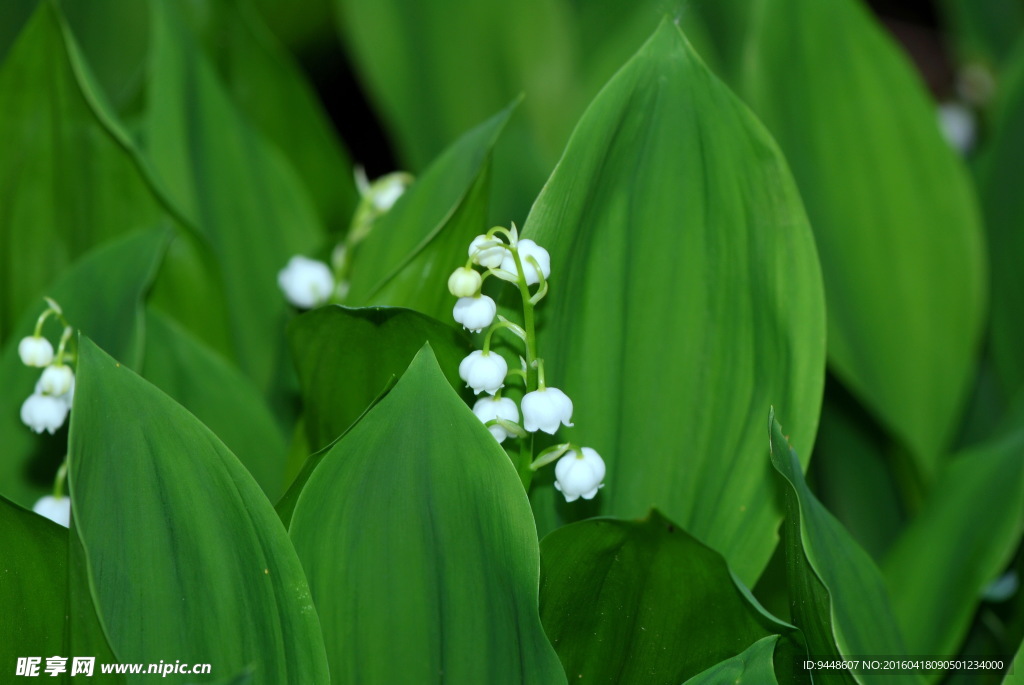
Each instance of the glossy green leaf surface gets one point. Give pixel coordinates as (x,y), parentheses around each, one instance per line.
(685,299)
(969,527)
(752,667)
(894,217)
(65,184)
(407,258)
(619,599)
(838,597)
(240,191)
(33,592)
(101,295)
(214,578)
(217,394)
(345,358)
(420,551)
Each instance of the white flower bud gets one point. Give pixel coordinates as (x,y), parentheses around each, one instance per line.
(306,283)
(43,412)
(484,371)
(958,126)
(475,313)
(527,248)
(56,380)
(35,351)
(56,509)
(490,408)
(385,191)
(464,282)
(579,475)
(487,252)
(546,409)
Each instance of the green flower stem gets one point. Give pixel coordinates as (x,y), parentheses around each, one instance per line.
(58,482)
(526,450)
(64,338)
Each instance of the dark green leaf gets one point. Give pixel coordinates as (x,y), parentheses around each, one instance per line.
(420,551)
(346,357)
(685,299)
(894,215)
(162,507)
(752,667)
(838,597)
(619,599)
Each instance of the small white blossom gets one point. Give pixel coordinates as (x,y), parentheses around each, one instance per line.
(306,283)
(386,191)
(527,248)
(958,126)
(43,412)
(545,409)
(484,371)
(66,397)
(56,380)
(490,408)
(464,282)
(475,313)
(488,252)
(579,475)
(56,509)
(35,351)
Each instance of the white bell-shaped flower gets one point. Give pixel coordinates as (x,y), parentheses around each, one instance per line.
(490,408)
(546,409)
(306,283)
(35,351)
(484,371)
(386,190)
(579,475)
(475,313)
(66,397)
(465,282)
(488,252)
(44,412)
(56,380)
(527,249)
(57,509)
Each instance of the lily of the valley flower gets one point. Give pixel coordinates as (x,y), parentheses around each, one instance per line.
(56,380)
(475,313)
(44,412)
(490,408)
(464,282)
(57,509)
(483,371)
(35,351)
(546,409)
(579,475)
(527,249)
(306,283)
(487,252)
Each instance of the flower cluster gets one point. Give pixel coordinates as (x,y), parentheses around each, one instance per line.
(308,283)
(501,254)
(48,406)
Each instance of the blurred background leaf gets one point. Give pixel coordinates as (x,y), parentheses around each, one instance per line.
(419,547)
(893,212)
(686,298)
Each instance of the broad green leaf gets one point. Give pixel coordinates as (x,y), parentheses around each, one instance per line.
(419,547)
(999,173)
(894,216)
(685,299)
(163,507)
(407,258)
(969,528)
(620,598)
(217,394)
(14,14)
(752,667)
(65,184)
(101,295)
(34,589)
(1017,677)
(240,191)
(837,593)
(345,357)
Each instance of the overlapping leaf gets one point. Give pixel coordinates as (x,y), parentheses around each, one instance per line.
(752,667)
(894,216)
(685,299)
(164,509)
(419,547)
